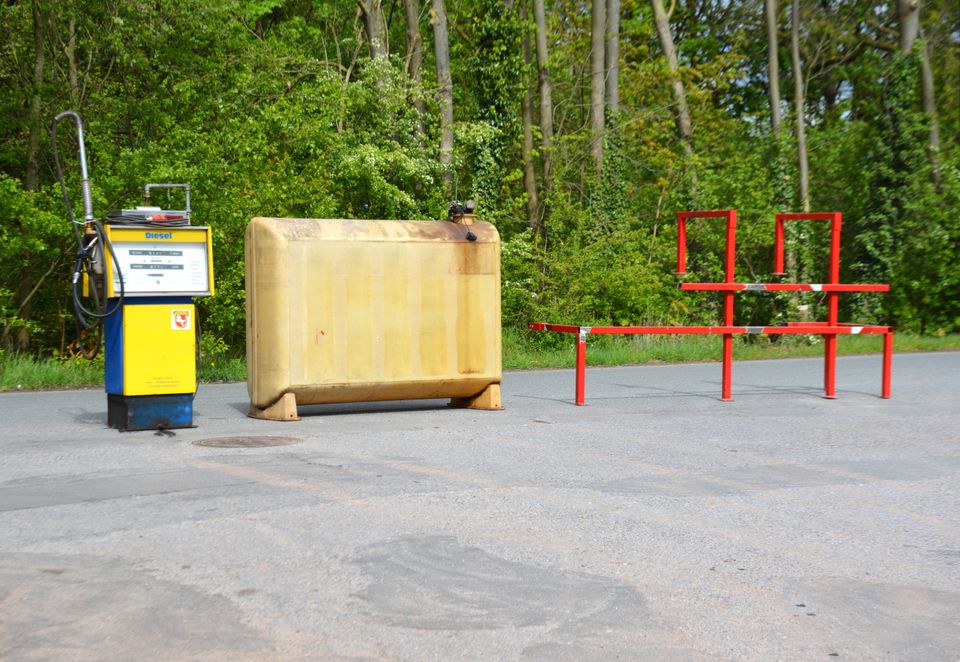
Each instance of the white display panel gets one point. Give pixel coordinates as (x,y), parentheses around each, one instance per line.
(168,267)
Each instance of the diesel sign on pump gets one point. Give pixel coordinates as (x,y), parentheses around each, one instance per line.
(178,264)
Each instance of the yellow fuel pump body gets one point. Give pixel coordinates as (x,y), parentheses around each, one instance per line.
(150,342)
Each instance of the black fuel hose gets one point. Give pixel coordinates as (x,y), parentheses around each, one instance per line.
(89,242)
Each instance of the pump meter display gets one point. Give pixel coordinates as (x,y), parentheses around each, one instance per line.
(160,261)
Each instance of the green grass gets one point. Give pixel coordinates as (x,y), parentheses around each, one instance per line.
(530,350)
(19,372)
(222,370)
(522,350)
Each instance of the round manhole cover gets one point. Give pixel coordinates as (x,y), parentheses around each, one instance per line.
(247,442)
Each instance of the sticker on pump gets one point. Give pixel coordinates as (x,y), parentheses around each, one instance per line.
(180,320)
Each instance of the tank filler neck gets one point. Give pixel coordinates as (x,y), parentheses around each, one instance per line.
(463,214)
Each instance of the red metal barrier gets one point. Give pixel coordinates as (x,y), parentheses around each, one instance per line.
(795,328)
(786,287)
(730,254)
(833,302)
(829,329)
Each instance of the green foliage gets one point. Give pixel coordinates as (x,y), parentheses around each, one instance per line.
(33,241)
(521,280)
(272,108)
(908,233)
(623,286)
(487,86)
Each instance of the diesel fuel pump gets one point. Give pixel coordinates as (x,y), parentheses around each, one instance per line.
(135,278)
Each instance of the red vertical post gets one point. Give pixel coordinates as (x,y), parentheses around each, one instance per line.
(729,269)
(778,240)
(830,366)
(681,244)
(730,255)
(731,250)
(836,220)
(581,366)
(725,387)
(830,340)
(887,364)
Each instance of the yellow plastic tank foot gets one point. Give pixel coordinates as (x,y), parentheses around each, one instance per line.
(284,409)
(488,398)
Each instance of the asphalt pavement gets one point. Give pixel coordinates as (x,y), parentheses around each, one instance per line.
(656,523)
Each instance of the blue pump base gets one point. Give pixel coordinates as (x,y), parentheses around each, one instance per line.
(149,412)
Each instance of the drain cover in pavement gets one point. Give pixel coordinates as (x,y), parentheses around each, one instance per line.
(247,442)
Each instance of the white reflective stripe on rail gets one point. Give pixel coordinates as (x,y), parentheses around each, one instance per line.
(856,329)
(816,287)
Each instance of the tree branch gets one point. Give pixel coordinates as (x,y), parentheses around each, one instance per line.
(26,299)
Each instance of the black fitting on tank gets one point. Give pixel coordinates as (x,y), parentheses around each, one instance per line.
(462,213)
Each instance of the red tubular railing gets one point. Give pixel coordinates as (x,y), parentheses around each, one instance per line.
(730,253)
(786,287)
(792,328)
(833,301)
(829,329)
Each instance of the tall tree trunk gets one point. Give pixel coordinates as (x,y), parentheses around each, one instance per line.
(441,47)
(909,14)
(546,94)
(529,171)
(613,56)
(681,111)
(798,103)
(930,108)
(375,26)
(414,59)
(773,87)
(597,83)
(31,181)
(413,62)
(773,66)
(70,50)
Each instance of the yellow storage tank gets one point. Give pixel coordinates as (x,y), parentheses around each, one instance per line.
(352,310)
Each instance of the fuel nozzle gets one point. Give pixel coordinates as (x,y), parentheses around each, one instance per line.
(462,213)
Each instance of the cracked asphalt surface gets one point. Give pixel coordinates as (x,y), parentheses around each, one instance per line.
(655,523)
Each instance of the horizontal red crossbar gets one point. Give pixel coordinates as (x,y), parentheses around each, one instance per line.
(825,329)
(785,287)
(795,328)
(809,216)
(822,324)
(706,213)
